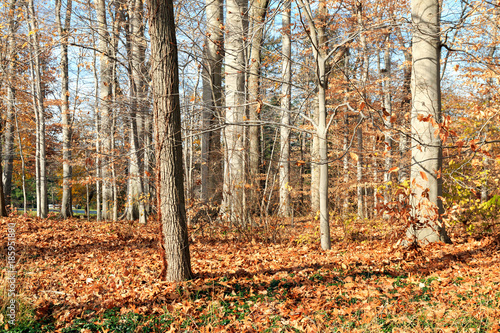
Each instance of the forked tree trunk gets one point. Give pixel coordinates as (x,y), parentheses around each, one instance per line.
(426,182)
(285,209)
(67,200)
(319,42)
(168,141)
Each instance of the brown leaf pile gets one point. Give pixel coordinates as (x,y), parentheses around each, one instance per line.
(250,284)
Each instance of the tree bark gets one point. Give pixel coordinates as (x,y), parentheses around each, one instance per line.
(168,141)
(38,104)
(285,111)
(319,40)
(258,11)
(426,183)
(212,94)
(135,208)
(67,199)
(8,153)
(234,169)
(105,95)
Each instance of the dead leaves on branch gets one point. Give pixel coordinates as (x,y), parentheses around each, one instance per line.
(69,268)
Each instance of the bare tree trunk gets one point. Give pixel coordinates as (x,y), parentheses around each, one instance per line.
(42,205)
(135,208)
(285,111)
(405,107)
(8,153)
(319,42)
(234,168)
(389,142)
(66,206)
(168,141)
(23,165)
(315,161)
(359,134)
(212,94)
(426,183)
(258,11)
(105,95)
(98,168)
(359,173)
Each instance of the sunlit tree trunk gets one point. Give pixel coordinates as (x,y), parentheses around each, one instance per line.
(38,100)
(285,111)
(168,141)
(426,181)
(319,40)
(234,168)
(105,114)
(359,133)
(66,205)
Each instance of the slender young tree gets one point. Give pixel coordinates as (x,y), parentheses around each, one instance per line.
(285,111)
(426,159)
(168,141)
(67,198)
(318,39)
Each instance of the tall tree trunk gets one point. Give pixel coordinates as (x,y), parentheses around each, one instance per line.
(67,200)
(319,42)
(234,168)
(359,134)
(98,168)
(105,95)
(168,141)
(426,182)
(389,142)
(285,111)
(135,208)
(38,100)
(212,94)
(315,160)
(8,153)
(258,11)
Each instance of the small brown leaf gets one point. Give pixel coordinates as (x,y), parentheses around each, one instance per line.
(424,176)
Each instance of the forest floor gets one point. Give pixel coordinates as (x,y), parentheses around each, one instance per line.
(79,276)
